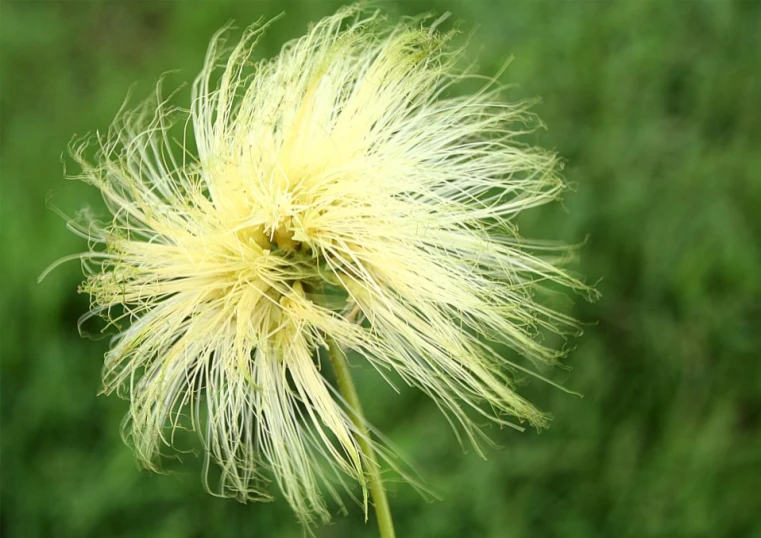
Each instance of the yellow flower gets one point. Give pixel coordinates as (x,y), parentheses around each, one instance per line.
(336,194)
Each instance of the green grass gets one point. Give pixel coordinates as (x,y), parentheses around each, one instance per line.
(655,106)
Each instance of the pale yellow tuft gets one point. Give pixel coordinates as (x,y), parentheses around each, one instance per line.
(336,195)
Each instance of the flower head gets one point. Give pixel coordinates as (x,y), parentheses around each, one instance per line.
(336,195)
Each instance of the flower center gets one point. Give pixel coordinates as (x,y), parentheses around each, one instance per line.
(280,240)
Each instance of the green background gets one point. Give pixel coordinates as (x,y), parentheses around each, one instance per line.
(655,106)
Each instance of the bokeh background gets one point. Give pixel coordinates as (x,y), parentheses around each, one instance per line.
(656,106)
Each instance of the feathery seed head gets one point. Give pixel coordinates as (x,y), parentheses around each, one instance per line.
(336,193)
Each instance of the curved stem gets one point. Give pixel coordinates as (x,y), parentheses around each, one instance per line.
(349,392)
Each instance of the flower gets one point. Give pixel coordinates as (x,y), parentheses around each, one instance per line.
(337,195)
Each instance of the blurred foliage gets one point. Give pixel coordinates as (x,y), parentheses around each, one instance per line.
(655,106)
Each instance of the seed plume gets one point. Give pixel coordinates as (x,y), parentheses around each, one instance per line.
(342,193)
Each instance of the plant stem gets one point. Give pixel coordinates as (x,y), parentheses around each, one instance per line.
(349,392)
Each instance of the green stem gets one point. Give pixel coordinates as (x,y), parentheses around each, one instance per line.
(349,392)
